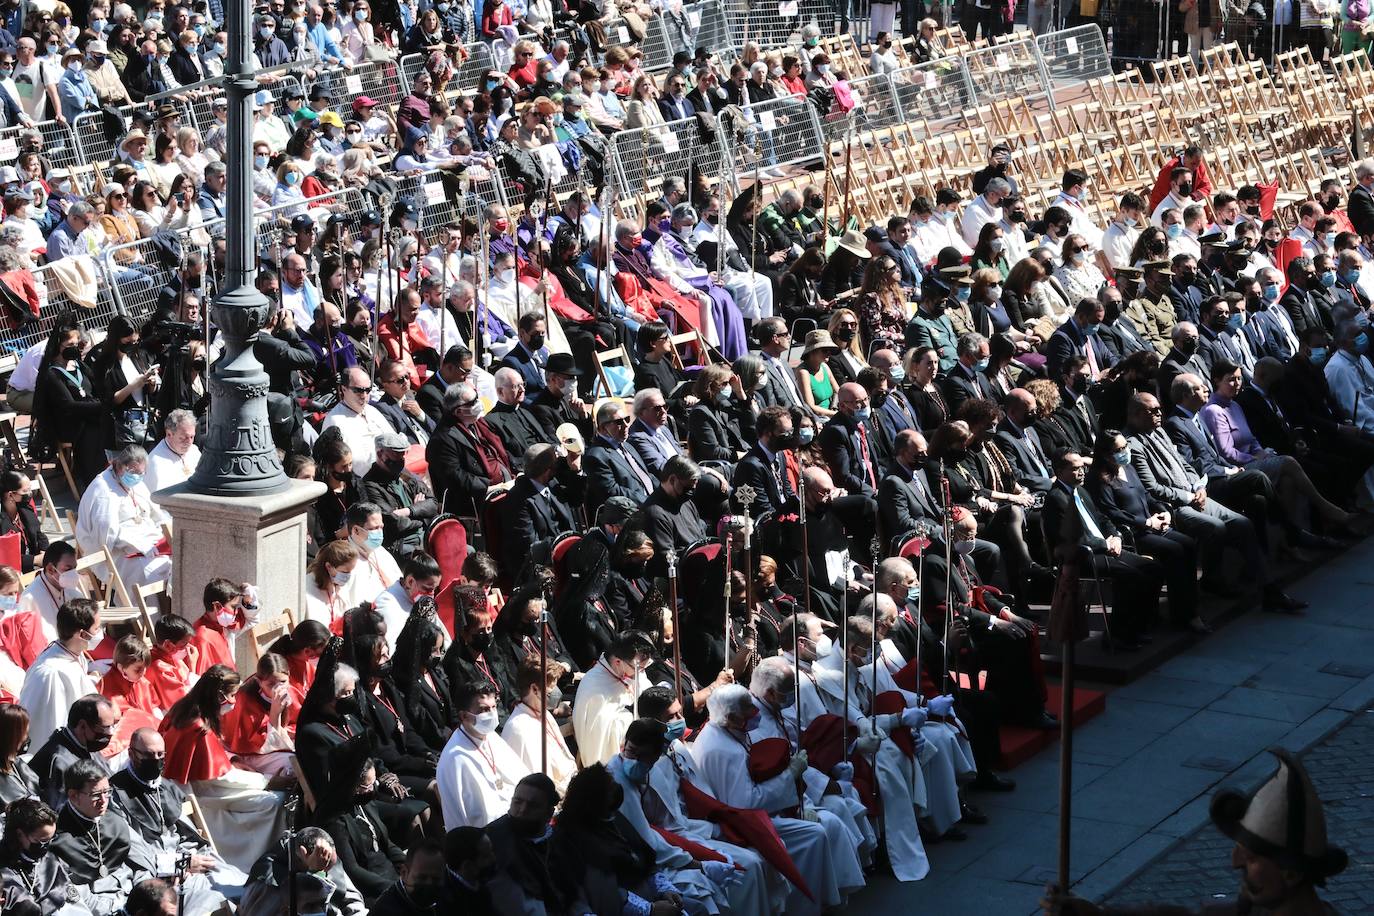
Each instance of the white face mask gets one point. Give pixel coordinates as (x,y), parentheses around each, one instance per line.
(226,618)
(96,636)
(485,723)
(70,579)
(823,646)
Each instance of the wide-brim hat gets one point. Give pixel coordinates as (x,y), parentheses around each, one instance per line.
(563,364)
(819,339)
(1282,820)
(855,244)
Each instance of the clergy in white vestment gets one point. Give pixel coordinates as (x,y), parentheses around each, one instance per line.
(952,762)
(174,459)
(758,888)
(420,577)
(774,688)
(703,885)
(62,674)
(477,770)
(56,583)
(508,299)
(817,842)
(752,290)
(118,512)
(358,421)
(377,569)
(604,707)
(523,731)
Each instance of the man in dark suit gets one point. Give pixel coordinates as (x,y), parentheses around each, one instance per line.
(669,516)
(513,421)
(1071,520)
(534,510)
(898,248)
(1215,345)
(611,466)
(90,725)
(405,499)
(764,467)
(652,434)
(1075,337)
(403,412)
(424,880)
(453,368)
(1360,208)
(708,96)
(1119,333)
(1076,412)
(282,352)
(782,387)
(966,379)
(466,457)
(1187,289)
(558,403)
(153,805)
(675,104)
(845,442)
(1021,443)
(529,356)
(1183,357)
(1303,311)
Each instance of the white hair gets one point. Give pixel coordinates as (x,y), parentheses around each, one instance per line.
(728,700)
(771,674)
(344,676)
(642,397)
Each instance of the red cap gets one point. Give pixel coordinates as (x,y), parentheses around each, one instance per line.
(363,101)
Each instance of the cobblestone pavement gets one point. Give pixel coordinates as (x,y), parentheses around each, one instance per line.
(1342,768)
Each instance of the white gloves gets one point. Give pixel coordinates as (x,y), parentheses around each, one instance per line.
(719,872)
(941,706)
(913,717)
(843,771)
(797,765)
(868,744)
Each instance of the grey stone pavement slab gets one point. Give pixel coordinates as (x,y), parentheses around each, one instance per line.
(1145,770)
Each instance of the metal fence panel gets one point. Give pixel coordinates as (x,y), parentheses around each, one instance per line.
(877,106)
(1075,55)
(933,91)
(52,305)
(1007,70)
(380,80)
(97,149)
(775,134)
(771,24)
(136,274)
(643,157)
(58,144)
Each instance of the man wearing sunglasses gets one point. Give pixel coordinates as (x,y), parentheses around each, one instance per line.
(358,421)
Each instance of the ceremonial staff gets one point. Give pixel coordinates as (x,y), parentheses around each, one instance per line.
(479,325)
(947,517)
(671,558)
(544,687)
(844,656)
(805,553)
(1068,625)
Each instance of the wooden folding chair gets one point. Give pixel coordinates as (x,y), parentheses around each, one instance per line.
(48,510)
(146,611)
(266,632)
(307,794)
(191,810)
(10,438)
(65,461)
(691,338)
(112,591)
(615,356)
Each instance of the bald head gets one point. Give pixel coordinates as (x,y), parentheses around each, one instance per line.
(1019,406)
(819,486)
(510,386)
(147,741)
(884,360)
(852,398)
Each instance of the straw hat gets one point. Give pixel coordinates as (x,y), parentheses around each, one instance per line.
(854,243)
(819,339)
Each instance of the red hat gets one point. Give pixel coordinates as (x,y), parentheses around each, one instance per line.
(363,101)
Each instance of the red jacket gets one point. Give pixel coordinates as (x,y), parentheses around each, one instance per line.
(402,346)
(1202,183)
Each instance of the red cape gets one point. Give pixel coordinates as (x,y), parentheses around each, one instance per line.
(209,647)
(169,679)
(193,752)
(21,636)
(127,695)
(245,727)
(751,827)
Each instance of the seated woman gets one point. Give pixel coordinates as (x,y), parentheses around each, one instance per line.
(420,679)
(325,587)
(714,425)
(17,778)
(241,810)
(814,376)
(349,813)
(258,730)
(21,634)
(301,648)
(382,710)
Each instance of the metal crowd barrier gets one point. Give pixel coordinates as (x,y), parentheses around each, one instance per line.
(641,158)
(53,304)
(782,132)
(1075,55)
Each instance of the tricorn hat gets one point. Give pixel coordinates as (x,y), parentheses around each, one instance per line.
(1282,820)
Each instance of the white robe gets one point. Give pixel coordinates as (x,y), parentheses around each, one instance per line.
(55,681)
(753,292)
(522,733)
(130,524)
(901,785)
(394,606)
(40,596)
(501,302)
(376,571)
(603,710)
(821,849)
(360,432)
(166,467)
(759,888)
(476,783)
(242,815)
(950,765)
(638,804)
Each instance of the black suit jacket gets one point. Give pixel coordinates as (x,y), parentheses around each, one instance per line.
(518,429)
(529,516)
(430,397)
(459,478)
(713,434)
(1360,209)
(1174,365)
(283,355)
(609,474)
(669,524)
(840,449)
(1022,454)
(673,110)
(400,420)
(960,386)
(905,500)
(771,490)
(1269,428)
(1302,311)
(1064,527)
(1195,446)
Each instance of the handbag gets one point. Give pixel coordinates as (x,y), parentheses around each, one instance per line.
(131,427)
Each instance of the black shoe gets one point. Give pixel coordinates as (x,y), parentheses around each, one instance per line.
(1199,626)
(988,781)
(971,814)
(954,835)
(1317,541)
(1046,721)
(1121,644)
(1276,599)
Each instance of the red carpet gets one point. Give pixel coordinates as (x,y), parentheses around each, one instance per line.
(1021,744)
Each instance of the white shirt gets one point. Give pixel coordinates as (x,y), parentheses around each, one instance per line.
(394,605)
(25,375)
(602,712)
(166,467)
(1081,223)
(1117,243)
(41,596)
(55,681)
(976,215)
(432,321)
(1185,244)
(523,734)
(302,303)
(934,234)
(376,571)
(1352,377)
(360,431)
(1171,201)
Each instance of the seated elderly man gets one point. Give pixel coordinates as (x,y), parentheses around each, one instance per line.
(100,853)
(358,421)
(118,512)
(174,459)
(466,458)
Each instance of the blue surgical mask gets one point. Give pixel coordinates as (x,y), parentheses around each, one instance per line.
(1235,321)
(676,729)
(130,480)
(1330,239)
(1093,329)
(1319,355)
(1174,231)
(8,603)
(754,721)
(805,435)
(962,293)
(259,162)
(1122,458)
(374,539)
(913,594)
(1350,277)
(1362,342)
(896,374)
(636,771)
(981,365)
(1328,278)
(292,178)
(1271,292)
(863,413)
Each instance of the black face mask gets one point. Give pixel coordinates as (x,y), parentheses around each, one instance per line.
(481,641)
(957,454)
(536,341)
(36,851)
(1332,203)
(1187,347)
(362,798)
(816,202)
(1018,217)
(844,335)
(347,706)
(149,769)
(98,743)
(424,895)
(383,670)
(392,467)
(785,441)
(1079,384)
(128,346)
(70,353)
(878,397)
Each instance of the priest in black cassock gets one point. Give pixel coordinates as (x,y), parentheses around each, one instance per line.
(29,870)
(98,850)
(515,423)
